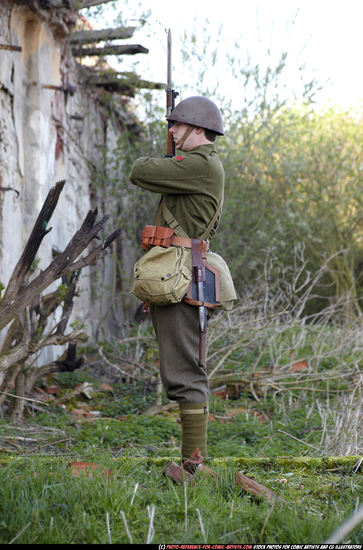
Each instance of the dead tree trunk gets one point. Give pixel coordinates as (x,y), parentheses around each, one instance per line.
(25,311)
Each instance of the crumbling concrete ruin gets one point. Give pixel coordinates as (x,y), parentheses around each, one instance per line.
(53,125)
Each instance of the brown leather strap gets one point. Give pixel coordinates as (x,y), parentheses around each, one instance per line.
(197,262)
(179,144)
(193,302)
(187,243)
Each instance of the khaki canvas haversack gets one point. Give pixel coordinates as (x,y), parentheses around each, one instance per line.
(164,274)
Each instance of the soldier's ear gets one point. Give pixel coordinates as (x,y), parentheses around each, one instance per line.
(199,130)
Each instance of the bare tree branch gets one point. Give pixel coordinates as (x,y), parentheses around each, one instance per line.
(27,311)
(35,239)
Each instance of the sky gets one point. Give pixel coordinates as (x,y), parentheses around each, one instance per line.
(323,35)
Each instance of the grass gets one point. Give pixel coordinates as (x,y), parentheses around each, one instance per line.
(58,507)
(42,501)
(283,430)
(58,431)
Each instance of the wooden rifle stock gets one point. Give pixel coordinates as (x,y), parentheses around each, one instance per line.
(170,101)
(170,145)
(170,105)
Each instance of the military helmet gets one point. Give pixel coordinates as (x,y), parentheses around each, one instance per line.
(198,111)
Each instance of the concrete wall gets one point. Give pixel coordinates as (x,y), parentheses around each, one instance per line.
(47,135)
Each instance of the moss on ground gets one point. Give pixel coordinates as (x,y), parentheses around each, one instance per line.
(310,465)
(41,495)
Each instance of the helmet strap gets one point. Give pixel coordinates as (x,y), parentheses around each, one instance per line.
(186,134)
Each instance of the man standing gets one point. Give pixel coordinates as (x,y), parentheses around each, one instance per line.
(192,186)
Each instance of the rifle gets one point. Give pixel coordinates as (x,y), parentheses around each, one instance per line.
(170,101)
(199,272)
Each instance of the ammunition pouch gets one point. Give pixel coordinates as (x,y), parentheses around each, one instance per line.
(154,235)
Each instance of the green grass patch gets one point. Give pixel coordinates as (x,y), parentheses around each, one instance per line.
(268,428)
(44,498)
(283,432)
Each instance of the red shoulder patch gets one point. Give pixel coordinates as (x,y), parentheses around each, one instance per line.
(179,158)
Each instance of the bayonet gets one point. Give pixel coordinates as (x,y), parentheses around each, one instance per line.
(169,84)
(199,277)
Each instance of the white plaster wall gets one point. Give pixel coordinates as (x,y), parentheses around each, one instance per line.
(46,135)
(10,205)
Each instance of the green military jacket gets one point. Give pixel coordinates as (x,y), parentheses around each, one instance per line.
(192,185)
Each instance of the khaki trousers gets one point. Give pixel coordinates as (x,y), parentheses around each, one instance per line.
(177,332)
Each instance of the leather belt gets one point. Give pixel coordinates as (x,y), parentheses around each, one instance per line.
(187,243)
(154,235)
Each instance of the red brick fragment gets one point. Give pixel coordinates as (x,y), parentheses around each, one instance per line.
(88,468)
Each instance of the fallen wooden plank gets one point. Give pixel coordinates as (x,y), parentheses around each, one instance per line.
(256,489)
(178,474)
(160,409)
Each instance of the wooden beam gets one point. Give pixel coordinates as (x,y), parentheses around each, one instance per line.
(89,3)
(87,37)
(116,80)
(10,47)
(71,4)
(130,49)
(49,4)
(125,83)
(52,4)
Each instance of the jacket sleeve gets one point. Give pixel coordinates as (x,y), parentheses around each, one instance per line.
(169,175)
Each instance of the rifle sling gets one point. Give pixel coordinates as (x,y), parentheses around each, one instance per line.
(174,224)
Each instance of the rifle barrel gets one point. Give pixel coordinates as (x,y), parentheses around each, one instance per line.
(170,100)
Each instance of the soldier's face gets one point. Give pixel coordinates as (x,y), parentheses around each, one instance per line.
(177,131)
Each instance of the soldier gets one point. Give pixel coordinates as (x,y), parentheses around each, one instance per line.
(192,186)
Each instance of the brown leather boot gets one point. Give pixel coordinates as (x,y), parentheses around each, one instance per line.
(190,467)
(192,463)
(195,464)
